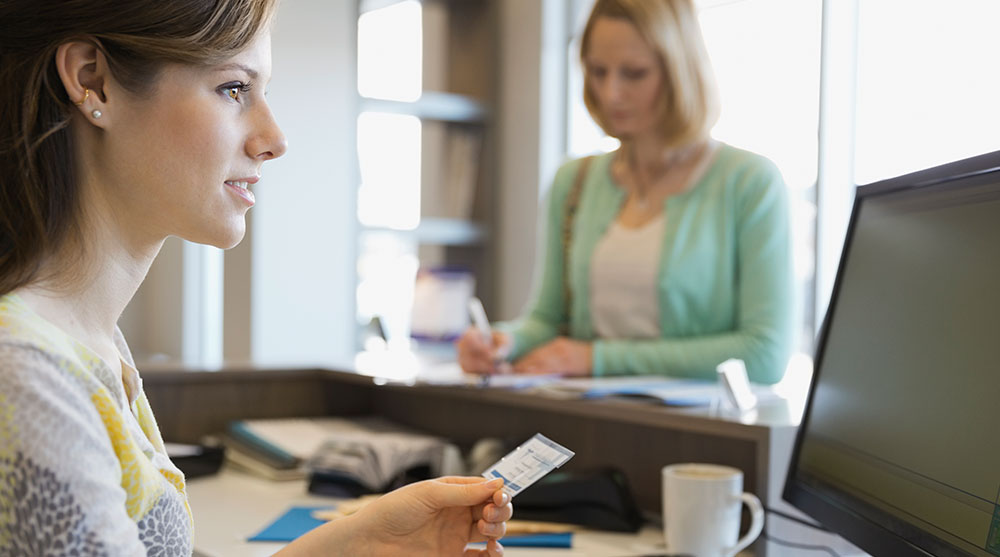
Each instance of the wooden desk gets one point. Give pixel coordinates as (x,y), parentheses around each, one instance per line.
(231,506)
(636,437)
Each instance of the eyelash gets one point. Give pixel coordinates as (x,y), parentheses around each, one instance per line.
(239,86)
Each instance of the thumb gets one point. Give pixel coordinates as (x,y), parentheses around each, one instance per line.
(444,493)
(503,345)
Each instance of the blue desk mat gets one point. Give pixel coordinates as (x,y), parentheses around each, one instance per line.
(299,520)
(295,522)
(563,539)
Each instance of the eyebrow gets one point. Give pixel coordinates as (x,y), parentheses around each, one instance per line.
(250,71)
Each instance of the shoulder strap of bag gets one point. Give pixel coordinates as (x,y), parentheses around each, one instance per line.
(572,200)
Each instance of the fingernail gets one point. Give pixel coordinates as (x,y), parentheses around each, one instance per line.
(504,499)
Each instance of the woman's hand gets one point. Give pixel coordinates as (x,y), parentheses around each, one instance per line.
(436,518)
(562,355)
(475,355)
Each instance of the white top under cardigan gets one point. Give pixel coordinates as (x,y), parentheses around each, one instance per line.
(623,281)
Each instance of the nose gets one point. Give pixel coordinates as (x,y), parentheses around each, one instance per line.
(610,89)
(267,140)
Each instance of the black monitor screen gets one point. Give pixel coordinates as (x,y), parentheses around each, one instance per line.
(899,450)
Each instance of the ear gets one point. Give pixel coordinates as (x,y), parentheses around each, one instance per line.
(83,70)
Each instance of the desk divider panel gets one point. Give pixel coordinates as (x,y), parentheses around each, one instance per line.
(637,438)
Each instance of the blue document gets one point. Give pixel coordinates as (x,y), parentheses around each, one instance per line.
(298,520)
(564,539)
(295,522)
(671,392)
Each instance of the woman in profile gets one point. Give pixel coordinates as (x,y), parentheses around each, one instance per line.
(121,123)
(669,255)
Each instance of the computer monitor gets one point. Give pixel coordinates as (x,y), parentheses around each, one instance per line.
(899,447)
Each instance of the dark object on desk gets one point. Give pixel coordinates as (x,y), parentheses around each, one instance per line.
(334,484)
(196,460)
(599,499)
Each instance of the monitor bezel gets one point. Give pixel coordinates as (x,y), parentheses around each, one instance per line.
(892,536)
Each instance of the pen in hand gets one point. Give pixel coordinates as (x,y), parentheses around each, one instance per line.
(478,314)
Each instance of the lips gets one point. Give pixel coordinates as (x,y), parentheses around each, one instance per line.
(241,187)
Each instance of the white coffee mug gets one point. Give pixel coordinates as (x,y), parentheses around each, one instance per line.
(701,510)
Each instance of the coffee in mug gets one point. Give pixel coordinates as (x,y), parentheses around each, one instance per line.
(701,510)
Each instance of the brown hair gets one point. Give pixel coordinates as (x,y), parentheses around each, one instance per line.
(39,201)
(690,106)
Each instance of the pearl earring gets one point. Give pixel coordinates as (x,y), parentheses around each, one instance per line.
(96,113)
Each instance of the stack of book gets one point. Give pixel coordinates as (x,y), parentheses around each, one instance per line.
(260,453)
(370,452)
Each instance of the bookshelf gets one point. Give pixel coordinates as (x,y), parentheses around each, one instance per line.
(425,148)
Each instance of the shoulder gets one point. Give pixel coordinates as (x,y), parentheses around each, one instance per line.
(34,353)
(35,381)
(594,165)
(749,179)
(20,326)
(746,167)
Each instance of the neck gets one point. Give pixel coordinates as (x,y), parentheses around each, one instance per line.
(653,170)
(87,302)
(651,158)
(85,295)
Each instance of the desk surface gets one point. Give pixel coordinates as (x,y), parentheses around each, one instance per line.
(637,438)
(231,506)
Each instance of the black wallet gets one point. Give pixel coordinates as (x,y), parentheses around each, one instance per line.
(599,499)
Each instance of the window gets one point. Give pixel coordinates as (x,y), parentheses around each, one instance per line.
(390,68)
(927,87)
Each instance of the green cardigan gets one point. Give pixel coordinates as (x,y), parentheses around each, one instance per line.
(725,278)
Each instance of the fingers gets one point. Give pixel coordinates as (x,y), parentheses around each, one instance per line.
(534,364)
(500,510)
(501,499)
(503,344)
(543,359)
(456,491)
(474,355)
(531,370)
(561,356)
(492,529)
(493,549)
(498,514)
(466,480)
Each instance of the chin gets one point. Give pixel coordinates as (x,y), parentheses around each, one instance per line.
(232,241)
(229,244)
(226,238)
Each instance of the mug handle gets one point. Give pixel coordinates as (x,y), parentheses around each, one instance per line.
(756,523)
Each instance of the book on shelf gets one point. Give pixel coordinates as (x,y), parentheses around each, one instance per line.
(368,451)
(463,153)
(449,175)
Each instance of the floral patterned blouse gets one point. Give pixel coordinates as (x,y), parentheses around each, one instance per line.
(83,470)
